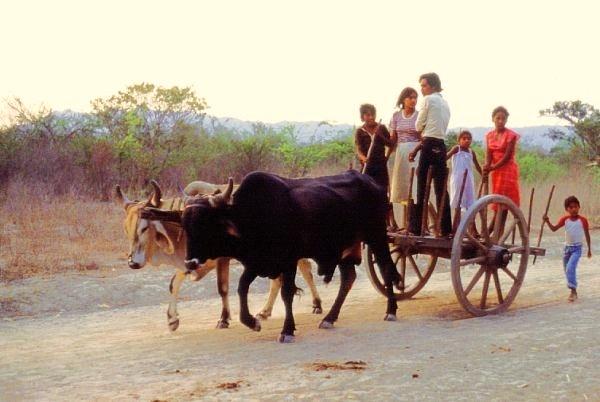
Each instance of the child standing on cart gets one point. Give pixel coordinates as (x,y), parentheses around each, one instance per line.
(576,228)
(463,159)
(373,159)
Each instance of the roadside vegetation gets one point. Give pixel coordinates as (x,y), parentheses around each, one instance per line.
(58,169)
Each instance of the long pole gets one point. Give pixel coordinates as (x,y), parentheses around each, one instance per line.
(425,206)
(409,201)
(544,222)
(457,212)
(441,208)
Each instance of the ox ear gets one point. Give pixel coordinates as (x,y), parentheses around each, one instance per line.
(121,198)
(163,240)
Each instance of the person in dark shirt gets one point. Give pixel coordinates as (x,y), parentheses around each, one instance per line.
(371,131)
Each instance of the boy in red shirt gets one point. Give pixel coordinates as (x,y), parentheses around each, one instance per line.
(576,227)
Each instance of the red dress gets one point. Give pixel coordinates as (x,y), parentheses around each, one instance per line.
(505,180)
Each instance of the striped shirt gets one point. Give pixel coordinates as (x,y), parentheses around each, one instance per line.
(405,126)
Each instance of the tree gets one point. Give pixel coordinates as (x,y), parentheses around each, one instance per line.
(149,124)
(583,131)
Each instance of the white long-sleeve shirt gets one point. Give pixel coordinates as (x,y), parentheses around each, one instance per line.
(434,116)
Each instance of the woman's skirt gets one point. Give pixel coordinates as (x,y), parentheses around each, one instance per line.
(401,172)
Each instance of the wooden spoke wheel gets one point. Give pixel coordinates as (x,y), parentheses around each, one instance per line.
(488,264)
(414,268)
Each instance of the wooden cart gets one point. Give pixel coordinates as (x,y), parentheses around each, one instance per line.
(488,257)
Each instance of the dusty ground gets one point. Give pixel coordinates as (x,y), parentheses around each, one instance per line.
(102,335)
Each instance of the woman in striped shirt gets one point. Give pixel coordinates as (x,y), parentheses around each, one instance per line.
(403,125)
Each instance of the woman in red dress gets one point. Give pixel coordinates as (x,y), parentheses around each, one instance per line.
(501,144)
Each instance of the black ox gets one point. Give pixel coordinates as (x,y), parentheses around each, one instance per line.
(271,222)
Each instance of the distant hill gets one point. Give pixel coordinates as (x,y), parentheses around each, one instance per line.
(309,131)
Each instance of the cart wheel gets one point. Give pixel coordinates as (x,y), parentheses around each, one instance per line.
(414,268)
(489,256)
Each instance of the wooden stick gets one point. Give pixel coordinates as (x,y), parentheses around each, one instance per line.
(364,168)
(426,202)
(409,201)
(484,181)
(457,210)
(440,209)
(544,222)
(530,210)
(514,231)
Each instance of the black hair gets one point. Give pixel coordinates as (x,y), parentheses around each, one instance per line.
(571,200)
(500,109)
(433,80)
(465,133)
(406,93)
(366,108)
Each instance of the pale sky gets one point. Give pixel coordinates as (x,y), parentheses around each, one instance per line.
(306,60)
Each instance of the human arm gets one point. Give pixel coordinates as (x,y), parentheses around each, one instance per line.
(488,160)
(510,151)
(476,163)
(388,140)
(554,228)
(361,156)
(586,230)
(413,154)
(452,151)
(422,116)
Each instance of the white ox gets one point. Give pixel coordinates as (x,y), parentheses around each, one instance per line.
(159,243)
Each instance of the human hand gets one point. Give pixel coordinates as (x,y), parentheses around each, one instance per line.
(545,218)
(411,157)
(589,253)
(487,169)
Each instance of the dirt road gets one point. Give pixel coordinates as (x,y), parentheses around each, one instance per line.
(119,347)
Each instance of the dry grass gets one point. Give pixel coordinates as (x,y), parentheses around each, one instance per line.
(41,234)
(579,184)
(45,235)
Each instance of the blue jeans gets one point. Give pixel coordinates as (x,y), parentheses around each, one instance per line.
(571,257)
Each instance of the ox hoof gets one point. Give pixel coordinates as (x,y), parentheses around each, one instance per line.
(286,338)
(325,325)
(390,317)
(256,327)
(263,315)
(222,324)
(317,310)
(173,325)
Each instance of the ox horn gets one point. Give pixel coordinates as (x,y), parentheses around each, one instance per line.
(155,198)
(225,197)
(122,198)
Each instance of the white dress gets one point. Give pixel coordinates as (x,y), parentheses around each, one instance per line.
(461,161)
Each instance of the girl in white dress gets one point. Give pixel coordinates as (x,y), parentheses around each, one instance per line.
(463,158)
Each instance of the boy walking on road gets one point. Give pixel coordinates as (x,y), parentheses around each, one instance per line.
(576,227)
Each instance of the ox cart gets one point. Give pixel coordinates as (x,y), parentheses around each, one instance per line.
(486,250)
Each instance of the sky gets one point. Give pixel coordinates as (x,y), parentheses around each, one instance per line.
(306,60)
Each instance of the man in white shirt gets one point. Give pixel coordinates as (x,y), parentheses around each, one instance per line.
(432,123)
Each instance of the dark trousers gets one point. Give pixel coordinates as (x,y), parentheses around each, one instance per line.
(378,171)
(433,154)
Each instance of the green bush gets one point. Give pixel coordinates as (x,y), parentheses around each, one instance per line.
(535,167)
